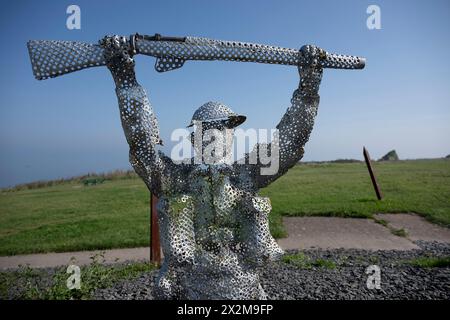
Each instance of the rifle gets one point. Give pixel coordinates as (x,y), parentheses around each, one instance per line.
(50,58)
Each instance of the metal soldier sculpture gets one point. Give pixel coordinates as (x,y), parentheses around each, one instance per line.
(214,226)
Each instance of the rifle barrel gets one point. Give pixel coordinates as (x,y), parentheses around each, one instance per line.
(193,48)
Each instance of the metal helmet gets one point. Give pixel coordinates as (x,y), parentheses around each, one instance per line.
(216,111)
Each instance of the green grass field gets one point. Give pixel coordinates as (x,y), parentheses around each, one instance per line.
(74,216)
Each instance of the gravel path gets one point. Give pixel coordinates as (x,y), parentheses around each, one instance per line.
(344,278)
(346,281)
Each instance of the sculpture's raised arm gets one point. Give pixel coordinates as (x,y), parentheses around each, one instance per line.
(138,119)
(296,124)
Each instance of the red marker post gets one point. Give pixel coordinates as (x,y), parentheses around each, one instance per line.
(155,247)
(372,174)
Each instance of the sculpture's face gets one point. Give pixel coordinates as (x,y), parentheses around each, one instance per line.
(214,141)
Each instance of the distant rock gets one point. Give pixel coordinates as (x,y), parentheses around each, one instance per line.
(390,156)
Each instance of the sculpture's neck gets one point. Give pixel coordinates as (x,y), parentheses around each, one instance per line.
(216,150)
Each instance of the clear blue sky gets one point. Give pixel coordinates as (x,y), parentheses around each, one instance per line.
(70,125)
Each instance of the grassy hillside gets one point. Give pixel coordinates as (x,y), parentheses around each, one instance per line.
(420,186)
(75,215)
(72,216)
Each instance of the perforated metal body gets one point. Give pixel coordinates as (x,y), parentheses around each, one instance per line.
(214,226)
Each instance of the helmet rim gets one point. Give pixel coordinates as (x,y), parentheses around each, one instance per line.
(231,121)
(216,111)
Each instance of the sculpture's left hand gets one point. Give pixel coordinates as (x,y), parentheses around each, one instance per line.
(311,70)
(312,54)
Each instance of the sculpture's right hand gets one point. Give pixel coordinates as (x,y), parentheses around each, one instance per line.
(117,50)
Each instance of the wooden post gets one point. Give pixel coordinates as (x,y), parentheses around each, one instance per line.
(372,174)
(155,248)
